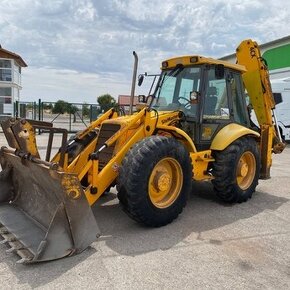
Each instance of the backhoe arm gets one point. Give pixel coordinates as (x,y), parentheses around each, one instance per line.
(257,84)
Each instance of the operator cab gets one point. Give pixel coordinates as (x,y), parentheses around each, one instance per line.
(209,95)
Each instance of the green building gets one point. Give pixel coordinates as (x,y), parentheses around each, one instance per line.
(277,55)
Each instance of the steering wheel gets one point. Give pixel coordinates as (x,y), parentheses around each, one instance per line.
(187,105)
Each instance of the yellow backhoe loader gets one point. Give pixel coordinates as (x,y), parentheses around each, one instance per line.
(194,125)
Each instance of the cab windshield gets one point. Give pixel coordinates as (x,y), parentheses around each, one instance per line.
(177,89)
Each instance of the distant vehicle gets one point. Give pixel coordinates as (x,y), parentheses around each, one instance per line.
(282,87)
(281,92)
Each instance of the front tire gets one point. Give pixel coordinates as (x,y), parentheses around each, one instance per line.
(155,180)
(236,170)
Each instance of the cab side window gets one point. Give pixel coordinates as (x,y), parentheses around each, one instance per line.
(216,99)
(239,101)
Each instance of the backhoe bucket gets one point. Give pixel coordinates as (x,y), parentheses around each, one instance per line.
(44,214)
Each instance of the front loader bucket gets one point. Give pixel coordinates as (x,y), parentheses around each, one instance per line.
(44,214)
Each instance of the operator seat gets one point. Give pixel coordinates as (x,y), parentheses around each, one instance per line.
(210,101)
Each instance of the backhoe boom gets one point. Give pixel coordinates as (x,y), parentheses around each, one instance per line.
(257,83)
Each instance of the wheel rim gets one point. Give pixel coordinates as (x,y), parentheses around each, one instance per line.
(246,170)
(165,182)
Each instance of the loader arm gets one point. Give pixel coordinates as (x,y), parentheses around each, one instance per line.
(257,83)
(44,212)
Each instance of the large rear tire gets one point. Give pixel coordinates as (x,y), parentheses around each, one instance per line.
(155,180)
(236,170)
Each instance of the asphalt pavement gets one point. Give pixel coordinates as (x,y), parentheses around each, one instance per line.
(210,246)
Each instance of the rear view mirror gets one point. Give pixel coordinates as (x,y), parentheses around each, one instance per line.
(140,80)
(219,71)
(277,98)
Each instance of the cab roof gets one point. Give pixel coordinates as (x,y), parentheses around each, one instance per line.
(190,60)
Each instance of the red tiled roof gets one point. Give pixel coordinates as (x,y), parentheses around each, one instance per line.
(124,100)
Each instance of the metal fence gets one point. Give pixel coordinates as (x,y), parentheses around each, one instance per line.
(70,116)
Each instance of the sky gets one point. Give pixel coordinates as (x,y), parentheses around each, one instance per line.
(77,50)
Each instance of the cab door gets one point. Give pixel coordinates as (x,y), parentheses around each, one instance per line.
(223,102)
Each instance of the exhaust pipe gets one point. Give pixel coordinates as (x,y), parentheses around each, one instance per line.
(133,82)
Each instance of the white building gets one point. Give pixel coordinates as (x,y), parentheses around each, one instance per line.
(10,81)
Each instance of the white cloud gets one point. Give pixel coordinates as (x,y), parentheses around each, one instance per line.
(95,38)
(71,85)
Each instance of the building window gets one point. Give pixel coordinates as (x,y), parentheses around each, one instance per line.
(5,63)
(5,75)
(5,100)
(17,76)
(6,92)
(5,70)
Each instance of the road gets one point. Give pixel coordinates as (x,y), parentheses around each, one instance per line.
(210,246)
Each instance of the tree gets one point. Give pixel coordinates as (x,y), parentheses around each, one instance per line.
(106,102)
(86,110)
(47,106)
(71,109)
(60,107)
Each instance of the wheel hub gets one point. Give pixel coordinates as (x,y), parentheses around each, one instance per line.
(243,169)
(162,181)
(165,182)
(246,170)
